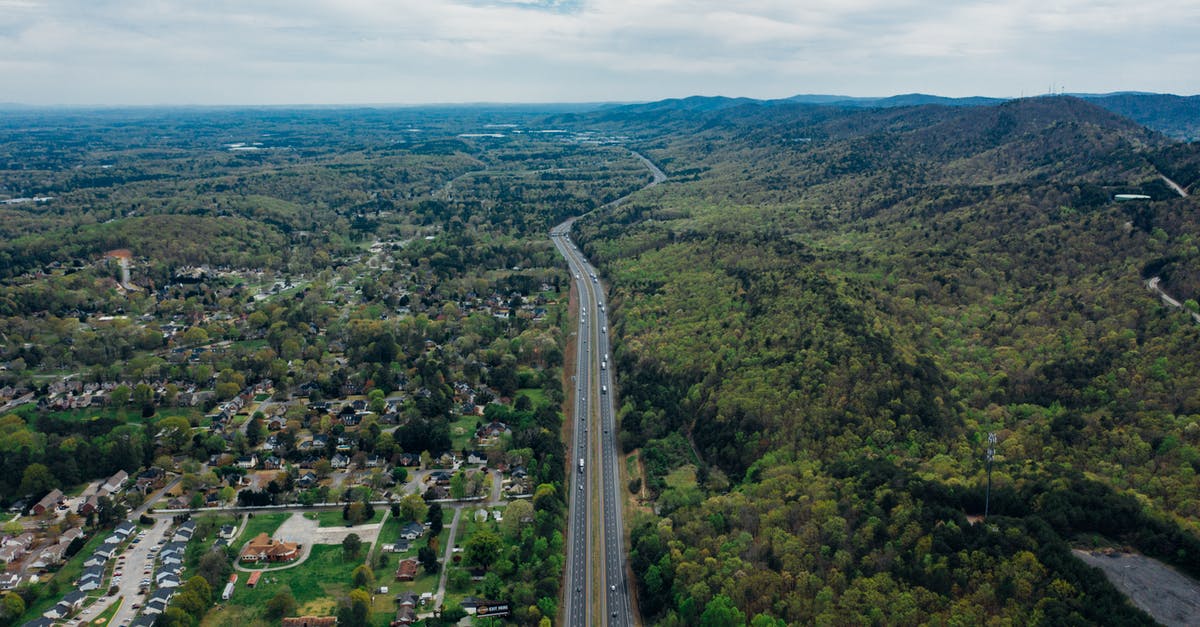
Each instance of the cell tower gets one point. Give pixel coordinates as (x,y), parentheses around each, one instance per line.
(991,454)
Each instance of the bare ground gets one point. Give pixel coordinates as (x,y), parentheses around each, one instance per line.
(1167,595)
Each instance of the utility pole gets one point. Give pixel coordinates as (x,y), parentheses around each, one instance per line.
(991,454)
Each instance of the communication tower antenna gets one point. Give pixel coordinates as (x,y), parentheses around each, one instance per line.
(991,454)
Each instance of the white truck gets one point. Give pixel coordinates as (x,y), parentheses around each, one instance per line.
(580,464)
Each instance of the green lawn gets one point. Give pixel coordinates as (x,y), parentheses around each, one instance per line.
(682,477)
(333,517)
(461,432)
(316,584)
(536,396)
(260,523)
(107,615)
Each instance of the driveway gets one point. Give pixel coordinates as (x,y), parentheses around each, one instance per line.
(297,528)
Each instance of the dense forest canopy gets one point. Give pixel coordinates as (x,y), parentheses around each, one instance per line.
(823,313)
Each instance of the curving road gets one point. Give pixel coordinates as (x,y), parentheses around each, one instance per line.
(595,458)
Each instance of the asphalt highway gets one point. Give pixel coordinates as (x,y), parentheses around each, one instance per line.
(595,460)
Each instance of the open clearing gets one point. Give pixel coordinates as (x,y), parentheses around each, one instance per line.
(1164,593)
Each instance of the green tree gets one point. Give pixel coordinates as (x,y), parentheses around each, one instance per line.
(351,546)
(108,511)
(355,514)
(37,479)
(363,577)
(355,609)
(458,485)
(175,431)
(119,396)
(174,616)
(482,548)
(281,605)
(12,606)
(721,612)
(459,579)
(215,568)
(195,336)
(428,558)
(143,396)
(227,390)
(434,518)
(413,507)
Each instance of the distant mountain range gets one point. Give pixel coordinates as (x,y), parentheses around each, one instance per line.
(1174,116)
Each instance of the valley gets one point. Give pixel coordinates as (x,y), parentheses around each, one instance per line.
(794,326)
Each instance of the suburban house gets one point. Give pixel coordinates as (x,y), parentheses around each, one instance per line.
(158,601)
(406,609)
(407,570)
(49,556)
(70,604)
(150,480)
(10,553)
(107,551)
(185,531)
(70,535)
(9,580)
(91,504)
(339,461)
(91,578)
(48,502)
(266,549)
(307,480)
(115,482)
(247,461)
(412,531)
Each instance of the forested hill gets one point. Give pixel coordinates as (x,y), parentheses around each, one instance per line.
(825,310)
(1175,116)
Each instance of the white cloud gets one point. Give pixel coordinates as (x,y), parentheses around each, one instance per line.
(78,51)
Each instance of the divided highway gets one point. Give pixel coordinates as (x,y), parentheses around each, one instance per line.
(595,460)
(594,408)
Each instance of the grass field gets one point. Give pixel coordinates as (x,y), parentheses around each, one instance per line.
(107,615)
(316,584)
(260,523)
(333,517)
(536,396)
(682,477)
(461,432)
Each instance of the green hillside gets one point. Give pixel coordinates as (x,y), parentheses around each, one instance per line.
(826,312)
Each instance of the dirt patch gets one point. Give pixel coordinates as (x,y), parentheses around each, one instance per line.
(1167,595)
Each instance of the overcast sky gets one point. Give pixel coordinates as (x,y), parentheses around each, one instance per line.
(421,51)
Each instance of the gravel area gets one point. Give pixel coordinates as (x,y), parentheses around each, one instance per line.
(1167,595)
